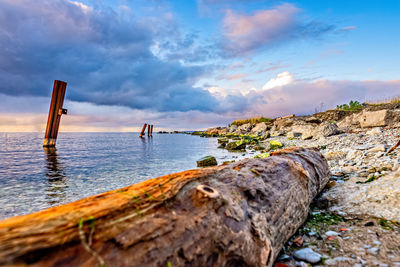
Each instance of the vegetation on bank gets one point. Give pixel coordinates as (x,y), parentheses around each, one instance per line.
(392,100)
(352,106)
(252,120)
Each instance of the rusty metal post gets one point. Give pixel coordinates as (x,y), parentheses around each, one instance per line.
(394,147)
(143,129)
(148,130)
(55,112)
(151,130)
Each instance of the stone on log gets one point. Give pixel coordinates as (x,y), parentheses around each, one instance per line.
(236,214)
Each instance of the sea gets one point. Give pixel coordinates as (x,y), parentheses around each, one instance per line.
(83,164)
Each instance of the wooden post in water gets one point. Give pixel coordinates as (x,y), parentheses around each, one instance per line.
(148,130)
(151,130)
(143,129)
(55,112)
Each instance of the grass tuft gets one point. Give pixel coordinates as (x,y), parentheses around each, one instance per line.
(391,100)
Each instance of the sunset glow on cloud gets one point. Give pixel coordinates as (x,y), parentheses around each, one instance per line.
(190,64)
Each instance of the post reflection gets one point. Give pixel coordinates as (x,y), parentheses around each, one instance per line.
(56,178)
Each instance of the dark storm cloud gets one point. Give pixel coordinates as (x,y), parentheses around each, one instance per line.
(104,55)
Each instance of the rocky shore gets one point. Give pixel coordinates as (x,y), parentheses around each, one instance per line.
(355,220)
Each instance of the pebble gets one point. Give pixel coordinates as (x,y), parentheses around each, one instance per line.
(378,148)
(330,233)
(284,257)
(363,147)
(312,233)
(374,131)
(373,250)
(308,255)
(301,264)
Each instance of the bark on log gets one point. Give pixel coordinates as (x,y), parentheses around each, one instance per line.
(232,215)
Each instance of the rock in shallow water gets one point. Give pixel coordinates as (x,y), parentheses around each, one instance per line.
(238,145)
(307,254)
(207,161)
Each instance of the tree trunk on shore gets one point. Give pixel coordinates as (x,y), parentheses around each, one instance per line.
(230,215)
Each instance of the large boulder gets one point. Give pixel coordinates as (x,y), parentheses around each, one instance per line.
(232,128)
(284,123)
(380,118)
(306,130)
(350,122)
(244,128)
(275,132)
(237,145)
(374,118)
(260,128)
(326,129)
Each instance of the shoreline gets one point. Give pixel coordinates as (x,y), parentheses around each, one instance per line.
(355,220)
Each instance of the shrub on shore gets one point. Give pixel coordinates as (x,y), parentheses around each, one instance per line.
(352,106)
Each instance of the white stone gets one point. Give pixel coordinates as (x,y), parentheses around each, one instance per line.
(305,130)
(378,148)
(375,131)
(363,147)
(308,255)
(373,250)
(301,264)
(329,233)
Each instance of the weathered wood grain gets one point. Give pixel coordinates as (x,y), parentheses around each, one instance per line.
(237,214)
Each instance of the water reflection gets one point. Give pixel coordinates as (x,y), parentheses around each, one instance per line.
(55,192)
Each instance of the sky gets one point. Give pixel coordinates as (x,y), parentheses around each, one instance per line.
(192,64)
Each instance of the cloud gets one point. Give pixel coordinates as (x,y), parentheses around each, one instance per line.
(103,54)
(231,77)
(349,28)
(264,28)
(281,79)
(272,67)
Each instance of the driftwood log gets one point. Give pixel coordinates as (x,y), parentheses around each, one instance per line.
(238,214)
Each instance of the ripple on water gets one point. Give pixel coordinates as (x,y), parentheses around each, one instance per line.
(85,164)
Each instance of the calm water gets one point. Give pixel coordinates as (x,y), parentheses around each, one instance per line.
(85,164)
